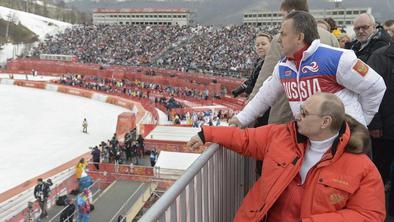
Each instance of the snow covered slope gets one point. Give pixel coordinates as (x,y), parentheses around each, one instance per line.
(37,24)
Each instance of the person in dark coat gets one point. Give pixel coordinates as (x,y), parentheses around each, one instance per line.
(68,213)
(382,126)
(262,45)
(96,157)
(369,37)
(41,193)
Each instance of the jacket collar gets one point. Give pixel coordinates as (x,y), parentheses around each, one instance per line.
(339,145)
(306,54)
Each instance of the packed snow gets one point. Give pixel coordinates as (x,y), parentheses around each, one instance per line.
(38,24)
(41,130)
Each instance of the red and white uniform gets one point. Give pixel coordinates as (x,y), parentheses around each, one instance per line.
(326,69)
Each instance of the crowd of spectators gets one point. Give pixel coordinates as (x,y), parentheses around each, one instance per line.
(224,50)
(130,150)
(163,94)
(215,50)
(113,44)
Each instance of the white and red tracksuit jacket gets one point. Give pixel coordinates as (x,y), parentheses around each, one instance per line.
(326,69)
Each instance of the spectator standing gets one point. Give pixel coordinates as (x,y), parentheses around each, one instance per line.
(96,155)
(280,110)
(68,213)
(41,192)
(311,67)
(368,37)
(83,206)
(382,125)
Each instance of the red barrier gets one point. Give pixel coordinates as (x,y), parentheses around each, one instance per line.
(119,72)
(75,91)
(126,122)
(31,84)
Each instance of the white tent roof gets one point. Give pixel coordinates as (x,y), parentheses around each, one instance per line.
(175,160)
(172,133)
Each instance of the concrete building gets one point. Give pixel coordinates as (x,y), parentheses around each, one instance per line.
(342,16)
(142,16)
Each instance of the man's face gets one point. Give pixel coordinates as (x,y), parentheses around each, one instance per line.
(389,30)
(288,39)
(309,120)
(363,27)
(262,45)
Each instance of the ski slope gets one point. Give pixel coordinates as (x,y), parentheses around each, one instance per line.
(38,24)
(41,130)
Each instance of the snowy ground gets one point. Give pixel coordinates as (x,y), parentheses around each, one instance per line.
(40,25)
(29,77)
(40,130)
(37,24)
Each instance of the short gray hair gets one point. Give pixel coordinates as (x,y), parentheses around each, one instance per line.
(303,22)
(370,16)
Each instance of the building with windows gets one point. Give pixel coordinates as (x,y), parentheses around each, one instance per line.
(342,16)
(142,16)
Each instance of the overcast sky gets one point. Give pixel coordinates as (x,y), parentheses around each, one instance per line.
(231,11)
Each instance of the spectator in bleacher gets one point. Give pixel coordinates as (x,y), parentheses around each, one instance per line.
(315,169)
(369,38)
(280,110)
(310,67)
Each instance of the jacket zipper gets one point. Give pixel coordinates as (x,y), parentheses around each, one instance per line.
(294,162)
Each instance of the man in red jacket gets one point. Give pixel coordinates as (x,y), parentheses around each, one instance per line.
(315,169)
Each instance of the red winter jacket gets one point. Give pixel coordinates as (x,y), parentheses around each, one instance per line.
(343,186)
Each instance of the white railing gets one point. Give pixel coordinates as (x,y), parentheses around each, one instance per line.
(18,203)
(210,190)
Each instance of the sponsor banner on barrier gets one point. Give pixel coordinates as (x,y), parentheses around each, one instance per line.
(75,91)
(37,85)
(99,97)
(7,81)
(120,102)
(51,87)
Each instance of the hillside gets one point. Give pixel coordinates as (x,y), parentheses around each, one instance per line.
(57,11)
(17,33)
(39,25)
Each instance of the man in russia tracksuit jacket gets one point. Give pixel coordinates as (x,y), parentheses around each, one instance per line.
(310,67)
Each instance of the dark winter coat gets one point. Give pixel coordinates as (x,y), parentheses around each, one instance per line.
(42,191)
(96,155)
(383,62)
(253,78)
(67,214)
(378,40)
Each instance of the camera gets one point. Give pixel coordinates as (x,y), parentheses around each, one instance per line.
(240,89)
